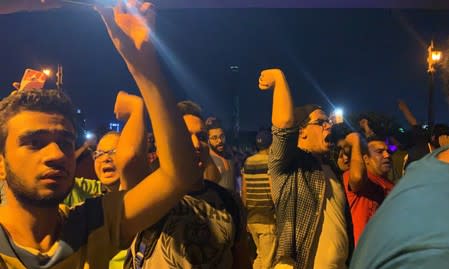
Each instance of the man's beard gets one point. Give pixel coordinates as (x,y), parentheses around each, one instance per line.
(29,196)
(217,151)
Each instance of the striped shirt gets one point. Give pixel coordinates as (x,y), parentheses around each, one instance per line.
(258,201)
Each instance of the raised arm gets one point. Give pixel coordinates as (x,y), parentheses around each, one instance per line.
(282,114)
(87,145)
(357,169)
(285,129)
(403,107)
(131,155)
(130,27)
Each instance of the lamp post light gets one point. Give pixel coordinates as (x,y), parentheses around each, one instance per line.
(59,75)
(433,58)
(47,72)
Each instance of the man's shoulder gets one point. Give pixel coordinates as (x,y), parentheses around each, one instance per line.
(257,158)
(94,206)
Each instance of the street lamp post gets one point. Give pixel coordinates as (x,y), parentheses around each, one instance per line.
(59,74)
(433,58)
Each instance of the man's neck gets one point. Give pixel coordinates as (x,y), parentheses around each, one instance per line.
(113,187)
(375,174)
(218,153)
(39,227)
(318,156)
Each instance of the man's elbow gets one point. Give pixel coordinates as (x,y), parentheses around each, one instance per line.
(183,177)
(283,122)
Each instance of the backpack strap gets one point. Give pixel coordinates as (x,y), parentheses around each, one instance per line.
(144,245)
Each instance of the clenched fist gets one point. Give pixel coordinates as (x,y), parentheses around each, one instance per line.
(268,78)
(352,138)
(129,25)
(125,105)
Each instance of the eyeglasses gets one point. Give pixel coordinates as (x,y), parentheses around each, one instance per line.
(216,137)
(321,122)
(98,153)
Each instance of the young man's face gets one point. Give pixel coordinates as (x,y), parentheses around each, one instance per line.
(217,140)
(378,160)
(344,151)
(104,159)
(39,158)
(313,135)
(195,126)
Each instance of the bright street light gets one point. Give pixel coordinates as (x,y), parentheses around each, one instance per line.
(337,115)
(436,56)
(47,72)
(433,58)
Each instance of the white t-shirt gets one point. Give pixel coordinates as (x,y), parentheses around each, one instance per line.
(332,250)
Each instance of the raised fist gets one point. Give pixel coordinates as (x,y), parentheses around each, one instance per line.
(268,78)
(129,25)
(125,104)
(352,138)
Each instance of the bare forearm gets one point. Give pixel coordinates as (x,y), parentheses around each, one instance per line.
(409,116)
(357,170)
(131,150)
(81,150)
(175,150)
(282,115)
(144,207)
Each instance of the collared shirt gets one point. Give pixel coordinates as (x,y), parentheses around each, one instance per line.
(365,202)
(298,189)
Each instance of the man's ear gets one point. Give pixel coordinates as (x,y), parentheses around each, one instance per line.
(302,134)
(365,159)
(2,167)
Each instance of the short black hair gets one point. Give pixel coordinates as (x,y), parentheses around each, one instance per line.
(440,129)
(437,131)
(339,131)
(376,137)
(188,107)
(213,123)
(47,101)
(263,139)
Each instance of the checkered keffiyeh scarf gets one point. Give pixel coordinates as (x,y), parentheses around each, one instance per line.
(298,186)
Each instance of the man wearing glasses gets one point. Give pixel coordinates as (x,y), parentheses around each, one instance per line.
(312,216)
(222,156)
(104,162)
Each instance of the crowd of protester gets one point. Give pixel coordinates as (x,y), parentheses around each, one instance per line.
(312,191)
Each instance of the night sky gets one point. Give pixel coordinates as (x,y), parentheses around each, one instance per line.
(358,59)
